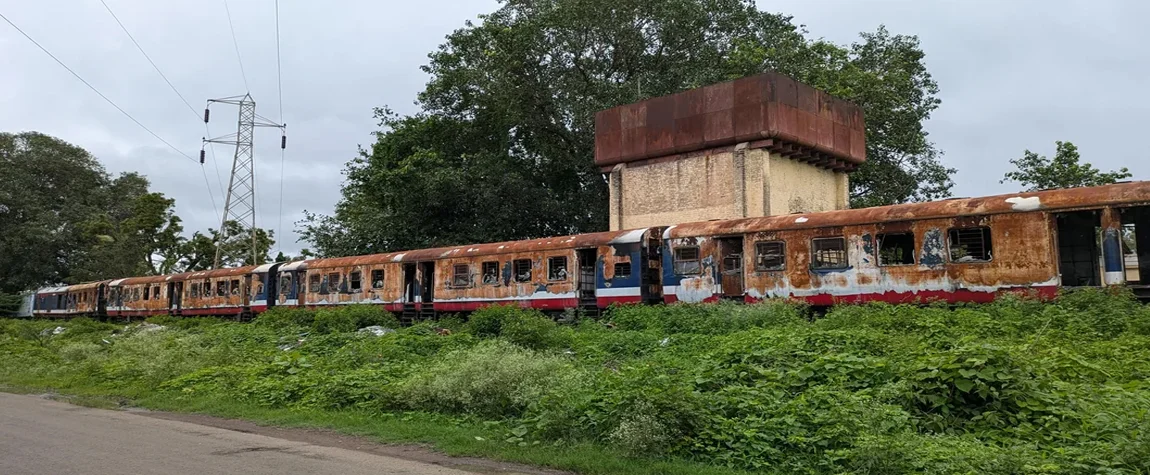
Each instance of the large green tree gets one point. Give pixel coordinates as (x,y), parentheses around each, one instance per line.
(199,252)
(49,190)
(1065,170)
(63,219)
(503,146)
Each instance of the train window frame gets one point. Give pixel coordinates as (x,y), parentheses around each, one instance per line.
(781,254)
(557,273)
(492,277)
(377,277)
(147,288)
(222,288)
(355,281)
(844,261)
(206,289)
(460,276)
(315,282)
(520,264)
(882,238)
(194,290)
(285,284)
(987,244)
(622,270)
(333,282)
(157,294)
(678,262)
(234,286)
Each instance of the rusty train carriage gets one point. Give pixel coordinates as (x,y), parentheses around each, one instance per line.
(953,250)
(139,296)
(222,292)
(549,274)
(958,250)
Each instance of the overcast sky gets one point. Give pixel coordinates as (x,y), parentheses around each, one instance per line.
(1013,75)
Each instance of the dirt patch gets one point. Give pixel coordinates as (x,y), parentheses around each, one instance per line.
(327,438)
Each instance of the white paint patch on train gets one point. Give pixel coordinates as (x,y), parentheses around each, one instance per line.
(398,257)
(619,292)
(884,284)
(629,237)
(667,232)
(801,219)
(694,289)
(1019,203)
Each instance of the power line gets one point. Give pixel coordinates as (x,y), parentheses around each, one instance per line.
(211,194)
(280,91)
(93,88)
(149,58)
(236,43)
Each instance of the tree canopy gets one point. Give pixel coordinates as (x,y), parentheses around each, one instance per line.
(503,145)
(64,219)
(1065,170)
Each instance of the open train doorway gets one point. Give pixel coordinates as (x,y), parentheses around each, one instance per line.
(409,289)
(587,259)
(1079,253)
(731,268)
(1136,249)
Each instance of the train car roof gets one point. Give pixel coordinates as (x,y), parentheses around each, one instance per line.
(544,244)
(214,273)
(53,290)
(87,285)
(1120,194)
(294,265)
(148,279)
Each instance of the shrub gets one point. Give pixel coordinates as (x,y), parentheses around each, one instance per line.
(283,317)
(492,379)
(528,328)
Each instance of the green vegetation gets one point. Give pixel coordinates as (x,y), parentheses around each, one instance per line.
(1017,386)
(1036,172)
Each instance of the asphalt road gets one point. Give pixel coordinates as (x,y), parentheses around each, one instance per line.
(40,436)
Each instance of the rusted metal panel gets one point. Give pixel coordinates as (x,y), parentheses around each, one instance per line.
(450,297)
(766,106)
(1023,258)
(232,300)
(1122,194)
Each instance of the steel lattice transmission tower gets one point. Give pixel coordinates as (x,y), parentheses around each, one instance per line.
(240,204)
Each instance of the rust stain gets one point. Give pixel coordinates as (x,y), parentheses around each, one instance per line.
(805,123)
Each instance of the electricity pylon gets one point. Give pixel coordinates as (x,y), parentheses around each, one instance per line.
(240,204)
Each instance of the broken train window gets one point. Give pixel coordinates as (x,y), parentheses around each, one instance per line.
(461,275)
(522,268)
(355,280)
(687,260)
(622,269)
(490,272)
(235,287)
(896,249)
(377,279)
(970,245)
(285,284)
(829,253)
(314,282)
(557,268)
(333,282)
(770,255)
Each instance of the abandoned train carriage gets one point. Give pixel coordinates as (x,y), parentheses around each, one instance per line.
(959,250)
(589,271)
(222,292)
